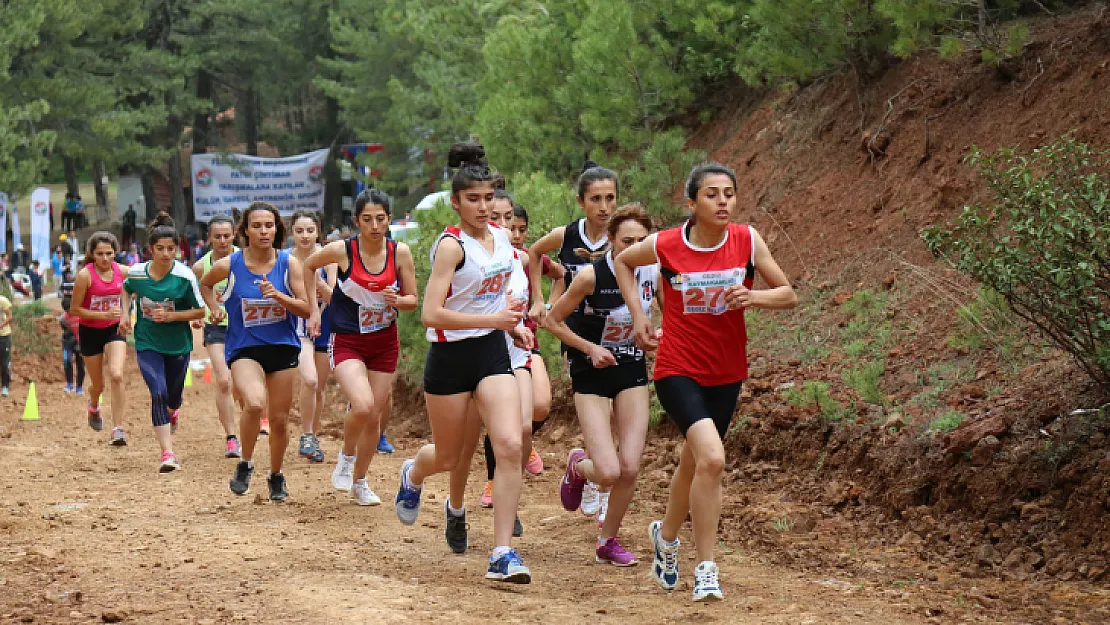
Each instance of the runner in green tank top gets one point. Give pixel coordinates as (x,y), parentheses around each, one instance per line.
(221,237)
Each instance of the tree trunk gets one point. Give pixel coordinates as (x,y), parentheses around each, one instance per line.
(177,191)
(250,121)
(69,166)
(150,200)
(100,185)
(982,20)
(333,179)
(200,119)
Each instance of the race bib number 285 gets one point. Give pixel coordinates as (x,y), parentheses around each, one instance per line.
(703,292)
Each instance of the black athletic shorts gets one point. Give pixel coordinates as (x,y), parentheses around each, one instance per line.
(688,402)
(272,358)
(608,381)
(214,334)
(458,366)
(93,340)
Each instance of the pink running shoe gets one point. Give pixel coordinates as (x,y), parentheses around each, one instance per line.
(233,449)
(613,552)
(570,489)
(169,462)
(173,420)
(535,463)
(264,427)
(486,500)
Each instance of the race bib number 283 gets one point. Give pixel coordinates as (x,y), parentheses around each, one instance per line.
(703,292)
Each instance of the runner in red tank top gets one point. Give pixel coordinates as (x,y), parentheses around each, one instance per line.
(707,268)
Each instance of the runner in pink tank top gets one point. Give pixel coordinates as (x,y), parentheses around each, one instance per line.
(103,296)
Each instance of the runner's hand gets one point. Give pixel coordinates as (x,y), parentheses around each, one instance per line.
(312,325)
(124,325)
(216,317)
(158,314)
(196,324)
(737,296)
(507,319)
(523,338)
(538,314)
(645,335)
(267,289)
(390,294)
(601,357)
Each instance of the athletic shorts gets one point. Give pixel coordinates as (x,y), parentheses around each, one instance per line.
(93,340)
(377,350)
(272,358)
(609,381)
(688,402)
(214,334)
(458,366)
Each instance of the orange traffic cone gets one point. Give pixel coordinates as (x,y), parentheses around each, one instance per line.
(207,374)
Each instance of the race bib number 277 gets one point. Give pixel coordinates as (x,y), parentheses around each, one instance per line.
(703,292)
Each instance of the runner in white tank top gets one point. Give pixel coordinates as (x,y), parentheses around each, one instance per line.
(467,313)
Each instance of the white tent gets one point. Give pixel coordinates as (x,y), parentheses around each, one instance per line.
(432,199)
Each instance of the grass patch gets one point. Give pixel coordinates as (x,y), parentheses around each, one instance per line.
(25,334)
(783,524)
(867,381)
(815,395)
(947,421)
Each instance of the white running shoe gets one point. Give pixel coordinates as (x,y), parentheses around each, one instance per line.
(343,477)
(366,497)
(590,501)
(664,567)
(706,584)
(603,506)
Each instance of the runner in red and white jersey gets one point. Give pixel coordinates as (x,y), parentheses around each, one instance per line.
(467,315)
(707,266)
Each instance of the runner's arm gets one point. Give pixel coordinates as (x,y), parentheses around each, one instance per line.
(563,307)
(406,267)
(550,241)
(215,274)
(334,253)
(80,288)
(298,303)
(624,268)
(780,295)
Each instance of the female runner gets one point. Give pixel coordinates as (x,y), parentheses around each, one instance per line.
(168,299)
(315,366)
(96,303)
(221,232)
(376,278)
(265,284)
(609,375)
(707,268)
(467,315)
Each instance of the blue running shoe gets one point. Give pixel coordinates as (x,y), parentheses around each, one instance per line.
(509,568)
(304,449)
(68,389)
(664,568)
(383,445)
(407,503)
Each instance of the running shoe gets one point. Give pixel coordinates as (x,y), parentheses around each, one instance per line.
(174,414)
(317,455)
(68,389)
(242,480)
(384,446)
(664,568)
(4,393)
(365,496)
(590,500)
(509,568)
(80,391)
(518,528)
(570,490)
(169,462)
(455,530)
(119,437)
(706,584)
(613,552)
(486,500)
(264,427)
(342,478)
(277,487)
(407,502)
(233,449)
(602,507)
(304,448)
(96,422)
(534,464)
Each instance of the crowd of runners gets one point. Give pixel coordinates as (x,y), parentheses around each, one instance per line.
(277,323)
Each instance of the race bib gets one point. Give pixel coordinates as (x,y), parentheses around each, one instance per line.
(374,318)
(261,312)
(618,337)
(104,303)
(494,277)
(704,291)
(148,306)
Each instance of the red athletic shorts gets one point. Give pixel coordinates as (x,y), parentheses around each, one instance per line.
(377,350)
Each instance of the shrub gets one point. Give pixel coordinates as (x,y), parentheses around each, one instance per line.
(1043,244)
(947,421)
(25,335)
(816,395)
(867,381)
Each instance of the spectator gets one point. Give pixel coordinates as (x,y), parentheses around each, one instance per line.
(80,209)
(56,260)
(128,223)
(69,209)
(20,258)
(5,345)
(71,352)
(133,255)
(36,280)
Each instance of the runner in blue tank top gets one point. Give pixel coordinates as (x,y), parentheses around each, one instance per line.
(264,286)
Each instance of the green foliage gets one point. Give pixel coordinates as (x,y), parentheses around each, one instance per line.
(1043,243)
(26,338)
(815,395)
(866,380)
(947,421)
(985,320)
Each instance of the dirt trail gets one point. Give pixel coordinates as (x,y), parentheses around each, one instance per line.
(91,533)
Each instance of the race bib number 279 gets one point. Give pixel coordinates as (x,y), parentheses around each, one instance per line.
(261,312)
(703,292)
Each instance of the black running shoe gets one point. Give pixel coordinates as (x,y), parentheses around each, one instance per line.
(242,480)
(518,529)
(277,487)
(455,533)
